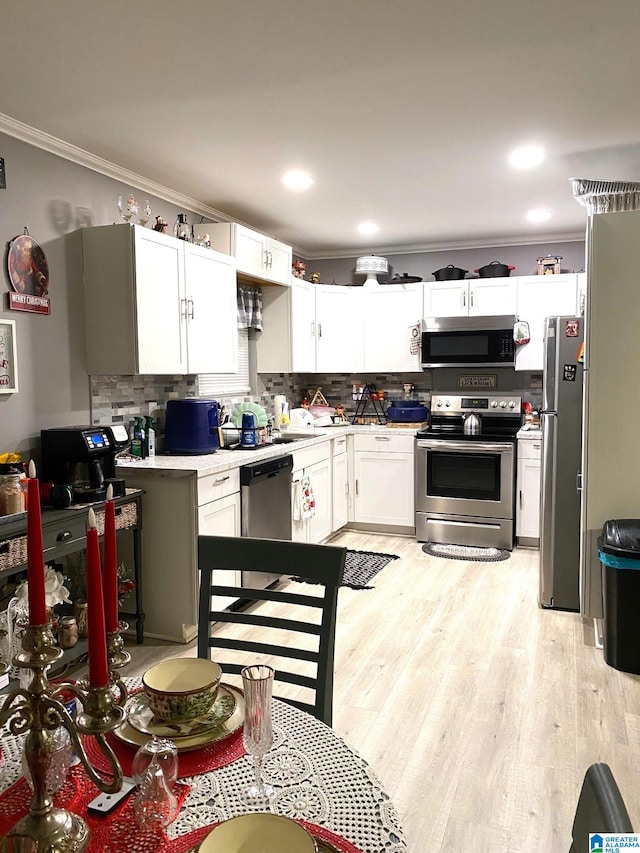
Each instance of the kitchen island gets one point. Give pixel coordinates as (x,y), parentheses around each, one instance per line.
(186,496)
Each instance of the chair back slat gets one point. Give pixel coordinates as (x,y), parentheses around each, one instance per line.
(238,618)
(321,564)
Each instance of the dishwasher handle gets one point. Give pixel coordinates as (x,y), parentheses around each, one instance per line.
(257,471)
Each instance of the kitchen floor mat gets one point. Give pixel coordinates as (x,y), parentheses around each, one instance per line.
(466,552)
(360,567)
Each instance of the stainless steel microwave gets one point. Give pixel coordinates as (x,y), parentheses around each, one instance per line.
(468,342)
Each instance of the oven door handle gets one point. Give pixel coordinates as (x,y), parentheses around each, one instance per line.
(466,447)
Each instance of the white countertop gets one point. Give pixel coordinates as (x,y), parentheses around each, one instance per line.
(224,460)
(527,434)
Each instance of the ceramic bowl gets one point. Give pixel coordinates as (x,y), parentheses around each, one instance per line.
(182,689)
(258,832)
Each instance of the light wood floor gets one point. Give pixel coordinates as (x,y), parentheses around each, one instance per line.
(479,711)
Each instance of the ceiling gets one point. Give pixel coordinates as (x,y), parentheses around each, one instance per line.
(404,112)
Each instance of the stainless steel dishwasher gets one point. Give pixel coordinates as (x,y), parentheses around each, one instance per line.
(265,490)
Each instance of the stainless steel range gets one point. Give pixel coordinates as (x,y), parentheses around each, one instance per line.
(465,478)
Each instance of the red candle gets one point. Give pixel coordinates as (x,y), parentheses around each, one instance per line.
(35,558)
(97,639)
(110,569)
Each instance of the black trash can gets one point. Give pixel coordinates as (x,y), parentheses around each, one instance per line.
(619,553)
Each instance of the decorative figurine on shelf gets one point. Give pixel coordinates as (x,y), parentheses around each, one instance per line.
(203,240)
(314,278)
(299,268)
(161,225)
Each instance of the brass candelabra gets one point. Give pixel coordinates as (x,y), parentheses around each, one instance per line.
(117,657)
(39,710)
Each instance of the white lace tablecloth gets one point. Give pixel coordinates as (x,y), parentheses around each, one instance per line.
(317,777)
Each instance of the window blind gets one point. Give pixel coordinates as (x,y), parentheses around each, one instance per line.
(210,384)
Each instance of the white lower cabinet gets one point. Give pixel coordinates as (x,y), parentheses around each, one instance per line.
(312,464)
(384,479)
(221,518)
(340,477)
(177,507)
(528,490)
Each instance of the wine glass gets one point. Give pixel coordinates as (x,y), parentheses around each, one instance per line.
(155,805)
(128,211)
(163,752)
(257,681)
(145,214)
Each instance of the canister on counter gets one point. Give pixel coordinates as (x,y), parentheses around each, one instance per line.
(67,632)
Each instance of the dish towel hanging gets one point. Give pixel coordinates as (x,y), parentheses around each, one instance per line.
(304,504)
(249,307)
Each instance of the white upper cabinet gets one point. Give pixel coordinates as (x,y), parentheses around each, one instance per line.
(477,297)
(303,326)
(157,305)
(339,329)
(211,311)
(392,315)
(256,255)
(541,296)
(310,328)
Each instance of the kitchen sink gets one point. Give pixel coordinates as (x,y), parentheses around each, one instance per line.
(287,439)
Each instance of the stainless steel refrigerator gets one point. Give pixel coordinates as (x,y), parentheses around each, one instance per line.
(561,421)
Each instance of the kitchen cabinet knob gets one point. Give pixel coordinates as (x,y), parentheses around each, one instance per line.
(520,498)
(220,480)
(464,299)
(191,313)
(319,330)
(357,492)
(471,298)
(64,536)
(383,438)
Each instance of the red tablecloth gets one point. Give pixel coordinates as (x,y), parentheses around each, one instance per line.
(203,760)
(112,833)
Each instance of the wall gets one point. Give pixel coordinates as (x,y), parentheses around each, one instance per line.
(423,264)
(53,197)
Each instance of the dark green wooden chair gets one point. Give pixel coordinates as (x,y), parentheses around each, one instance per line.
(600,808)
(321,564)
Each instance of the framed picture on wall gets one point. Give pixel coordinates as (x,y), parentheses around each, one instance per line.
(8,357)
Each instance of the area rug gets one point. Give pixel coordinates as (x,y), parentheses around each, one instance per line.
(465,552)
(360,567)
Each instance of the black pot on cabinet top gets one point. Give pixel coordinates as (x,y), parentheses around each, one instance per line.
(495,269)
(449,273)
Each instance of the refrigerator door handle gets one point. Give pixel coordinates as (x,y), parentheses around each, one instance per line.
(546,510)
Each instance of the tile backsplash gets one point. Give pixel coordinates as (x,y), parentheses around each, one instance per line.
(117,399)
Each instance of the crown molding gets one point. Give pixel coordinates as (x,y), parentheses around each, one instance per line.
(54,145)
(47,142)
(415,248)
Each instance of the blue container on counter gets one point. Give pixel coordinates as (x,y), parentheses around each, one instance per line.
(191,426)
(407,411)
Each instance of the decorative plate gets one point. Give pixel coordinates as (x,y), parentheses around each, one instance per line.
(141,717)
(27,266)
(128,734)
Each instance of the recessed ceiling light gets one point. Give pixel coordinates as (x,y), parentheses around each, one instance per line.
(368,228)
(539,215)
(296,179)
(526,157)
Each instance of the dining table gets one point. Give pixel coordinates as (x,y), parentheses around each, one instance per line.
(318,779)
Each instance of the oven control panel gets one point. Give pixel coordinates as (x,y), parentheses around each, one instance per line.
(492,404)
